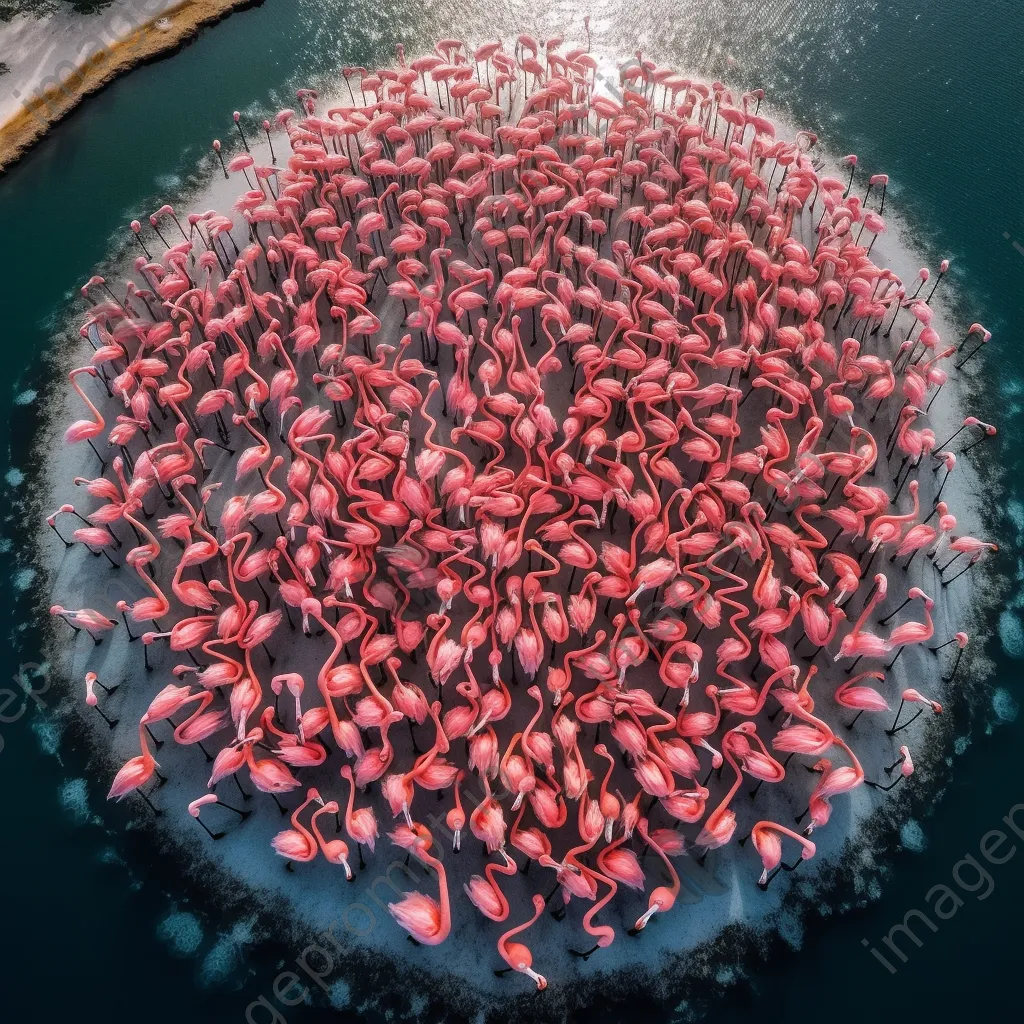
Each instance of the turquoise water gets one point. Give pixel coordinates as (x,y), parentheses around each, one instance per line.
(928,91)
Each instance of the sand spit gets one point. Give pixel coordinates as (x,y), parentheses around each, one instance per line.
(56,62)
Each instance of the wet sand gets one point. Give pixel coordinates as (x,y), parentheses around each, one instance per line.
(40,89)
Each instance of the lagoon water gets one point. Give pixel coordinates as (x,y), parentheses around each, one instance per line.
(95,924)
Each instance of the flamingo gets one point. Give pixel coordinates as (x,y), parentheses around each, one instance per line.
(426,920)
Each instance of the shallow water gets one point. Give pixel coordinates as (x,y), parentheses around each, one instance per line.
(924,90)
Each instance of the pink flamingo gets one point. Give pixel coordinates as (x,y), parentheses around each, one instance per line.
(426,920)
(297,843)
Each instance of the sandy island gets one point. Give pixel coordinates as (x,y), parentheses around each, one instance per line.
(313,898)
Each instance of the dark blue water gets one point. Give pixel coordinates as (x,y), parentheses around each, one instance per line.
(96,924)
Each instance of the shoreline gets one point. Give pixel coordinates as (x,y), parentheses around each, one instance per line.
(155,39)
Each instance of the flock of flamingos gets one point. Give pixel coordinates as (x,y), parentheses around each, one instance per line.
(569,431)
